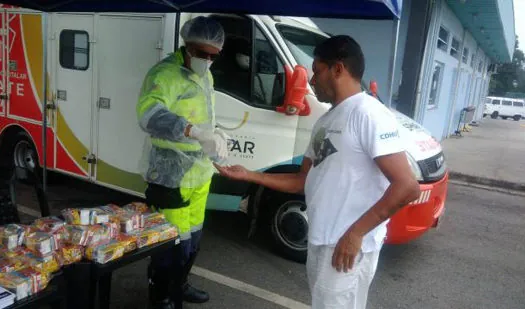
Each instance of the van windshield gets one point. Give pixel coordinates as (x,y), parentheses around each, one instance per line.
(301,44)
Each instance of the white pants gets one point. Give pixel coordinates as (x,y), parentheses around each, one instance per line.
(339,290)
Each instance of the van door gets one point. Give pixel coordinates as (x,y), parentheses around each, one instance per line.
(519,109)
(250,82)
(74,92)
(506,108)
(127,47)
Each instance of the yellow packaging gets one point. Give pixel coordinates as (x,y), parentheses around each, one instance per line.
(47,264)
(105,253)
(17,283)
(147,237)
(71,254)
(129,242)
(41,243)
(39,279)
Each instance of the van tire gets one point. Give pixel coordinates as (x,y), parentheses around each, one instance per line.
(289,226)
(23,156)
(494,115)
(517,117)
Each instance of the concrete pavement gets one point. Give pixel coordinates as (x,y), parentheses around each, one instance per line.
(492,154)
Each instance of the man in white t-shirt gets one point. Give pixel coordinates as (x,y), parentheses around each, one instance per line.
(355,176)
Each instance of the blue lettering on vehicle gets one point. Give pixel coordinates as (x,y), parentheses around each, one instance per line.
(389,135)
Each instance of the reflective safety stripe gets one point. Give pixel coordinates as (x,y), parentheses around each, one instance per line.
(165,144)
(185,236)
(196,228)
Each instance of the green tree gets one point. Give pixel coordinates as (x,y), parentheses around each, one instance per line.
(503,81)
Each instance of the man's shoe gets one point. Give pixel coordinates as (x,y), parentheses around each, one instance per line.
(193,295)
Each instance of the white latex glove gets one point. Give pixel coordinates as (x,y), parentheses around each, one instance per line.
(213,144)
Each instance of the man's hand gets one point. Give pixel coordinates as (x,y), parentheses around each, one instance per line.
(213,144)
(236,172)
(346,251)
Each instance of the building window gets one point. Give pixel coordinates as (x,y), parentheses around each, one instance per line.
(454,48)
(443,39)
(480,65)
(435,84)
(472,59)
(74,50)
(465,55)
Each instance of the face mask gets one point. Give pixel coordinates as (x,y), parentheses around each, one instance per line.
(200,66)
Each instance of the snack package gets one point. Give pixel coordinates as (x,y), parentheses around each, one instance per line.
(9,265)
(114,228)
(105,253)
(85,216)
(47,264)
(113,209)
(129,242)
(88,235)
(70,254)
(18,284)
(41,243)
(152,219)
(39,279)
(129,221)
(137,207)
(49,224)
(146,237)
(166,231)
(13,235)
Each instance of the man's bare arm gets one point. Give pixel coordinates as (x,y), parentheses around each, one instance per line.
(285,182)
(403,189)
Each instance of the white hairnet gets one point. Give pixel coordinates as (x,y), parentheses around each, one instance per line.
(204,30)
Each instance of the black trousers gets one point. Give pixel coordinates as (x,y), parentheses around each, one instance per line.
(168,271)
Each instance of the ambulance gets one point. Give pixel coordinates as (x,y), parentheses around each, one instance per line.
(95,67)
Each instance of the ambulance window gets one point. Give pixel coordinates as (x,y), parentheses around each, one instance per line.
(496,102)
(248,69)
(518,104)
(507,103)
(74,50)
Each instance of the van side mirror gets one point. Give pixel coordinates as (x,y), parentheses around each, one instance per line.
(295,102)
(373,88)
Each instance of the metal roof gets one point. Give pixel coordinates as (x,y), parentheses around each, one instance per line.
(491,23)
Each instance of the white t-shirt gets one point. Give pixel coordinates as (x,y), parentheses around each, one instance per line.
(344,180)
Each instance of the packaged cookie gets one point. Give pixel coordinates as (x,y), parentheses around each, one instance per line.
(49,224)
(105,253)
(70,254)
(166,231)
(39,279)
(12,235)
(47,264)
(40,243)
(16,283)
(137,207)
(146,237)
(129,242)
(152,219)
(11,264)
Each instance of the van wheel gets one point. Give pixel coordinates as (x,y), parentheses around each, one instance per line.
(494,115)
(289,226)
(517,118)
(24,155)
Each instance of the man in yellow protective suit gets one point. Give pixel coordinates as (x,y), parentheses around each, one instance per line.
(176,109)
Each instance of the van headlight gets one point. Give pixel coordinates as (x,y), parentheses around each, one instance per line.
(415,167)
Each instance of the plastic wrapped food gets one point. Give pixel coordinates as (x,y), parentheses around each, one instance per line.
(152,219)
(129,242)
(41,243)
(17,283)
(129,222)
(88,235)
(114,229)
(113,209)
(137,207)
(85,216)
(167,231)
(105,253)
(10,264)
(49,224)
(70,254)
(47,264)
(39,279)
(13,235)
(146,237)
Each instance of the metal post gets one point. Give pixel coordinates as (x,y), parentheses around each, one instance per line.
(44,103)
(395,42)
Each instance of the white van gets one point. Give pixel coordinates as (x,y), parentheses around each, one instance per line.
(97,63)
(504,108)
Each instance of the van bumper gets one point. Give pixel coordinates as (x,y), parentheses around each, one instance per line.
(413,220)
